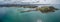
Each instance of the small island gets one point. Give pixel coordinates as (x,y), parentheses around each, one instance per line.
(47,9)
(43,9)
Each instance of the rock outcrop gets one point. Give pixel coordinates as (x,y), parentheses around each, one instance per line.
(47,9)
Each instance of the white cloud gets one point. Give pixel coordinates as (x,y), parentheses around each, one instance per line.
(31,1)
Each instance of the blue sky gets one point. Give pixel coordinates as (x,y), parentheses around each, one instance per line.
(30,1)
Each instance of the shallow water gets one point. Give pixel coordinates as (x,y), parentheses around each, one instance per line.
(13,14)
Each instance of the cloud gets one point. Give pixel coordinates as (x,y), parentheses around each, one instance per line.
(30,1)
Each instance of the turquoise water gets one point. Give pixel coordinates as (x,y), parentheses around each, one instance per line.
(13,14)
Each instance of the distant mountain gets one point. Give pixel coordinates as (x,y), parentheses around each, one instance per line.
(9,5)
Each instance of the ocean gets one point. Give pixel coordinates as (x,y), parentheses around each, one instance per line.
(13,14)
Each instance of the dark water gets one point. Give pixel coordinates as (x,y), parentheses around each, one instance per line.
(13,14)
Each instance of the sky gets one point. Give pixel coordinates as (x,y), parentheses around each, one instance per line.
(29,1)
